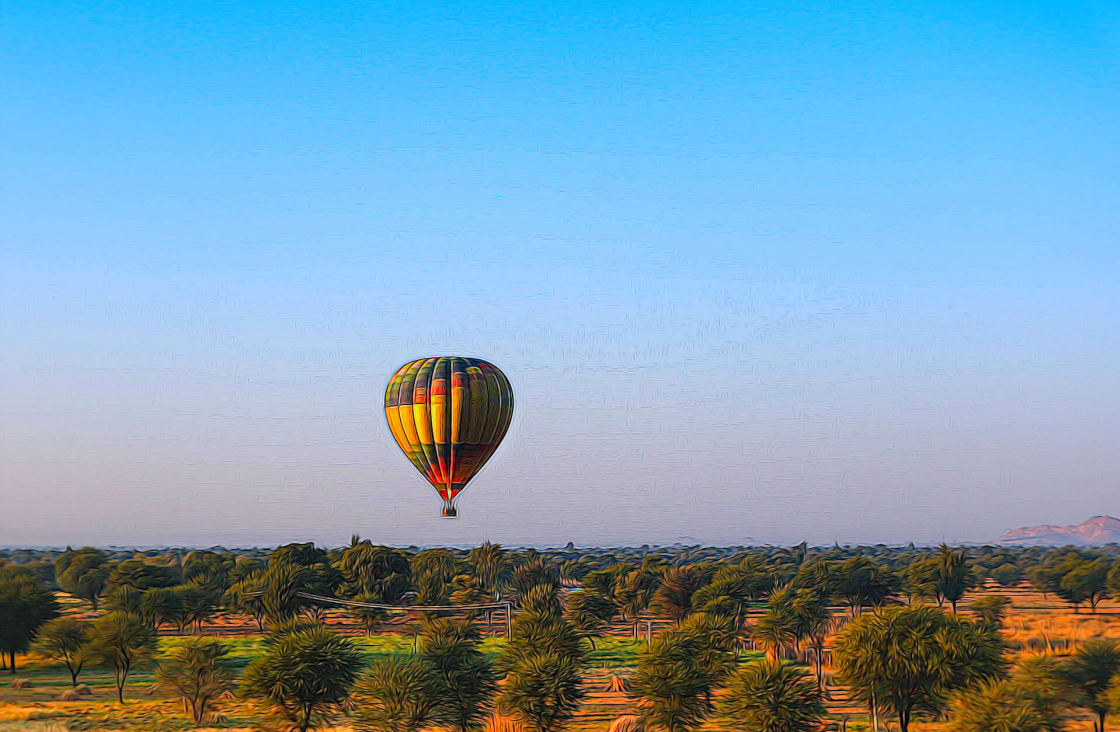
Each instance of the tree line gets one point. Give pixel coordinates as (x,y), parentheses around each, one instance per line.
(899,645)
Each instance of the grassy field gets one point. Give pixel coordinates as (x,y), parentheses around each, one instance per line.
(1035,624)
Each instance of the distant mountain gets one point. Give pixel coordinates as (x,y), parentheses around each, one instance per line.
(1094,532)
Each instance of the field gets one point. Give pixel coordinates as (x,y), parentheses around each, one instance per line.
(1035,624)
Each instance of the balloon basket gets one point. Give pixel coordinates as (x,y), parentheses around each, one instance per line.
(449,511)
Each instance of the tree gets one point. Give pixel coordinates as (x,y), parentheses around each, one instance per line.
(535,571)
(25,605)
(777,628)
(942,577)
(466,679)
(1043,680)
(670,686)
(634,591)
(544,661)
(714,637)
(1007,575)
(432,573)
(911,658)
(207,569)
(771,697)
(246,595)
(82,573)
(374,571)
(283,583)
(491,566)
(63,640)
(122,641)
(199,671)
(1085,581)
(492,570)
(543,690)
(999,706)
(954,577)
(199,603)
(673,597)
(1091,669)
(589,613)
(399,696)
(1044,579)
(812,620)
(304,675)
(142,574)
(861,583)
(991,609)
(370,617)
(160,605)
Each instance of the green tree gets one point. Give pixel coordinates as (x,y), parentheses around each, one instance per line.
(635,590)
(771,697)
(63,640)
(370,617)
(1044,579)
(812,621)
(589,613)
(374,571)
(246,595)
(304,675)
(861,583)
(284,585)
(432,573)
(673,597)
(544,661)
(399,696)
(1090,669)
(991,609)
(1043,679)
(543,690)
(158,606)
(199,671)
(670,686)
(207,569)
(466,679)
(1007,575)
(25,605)
(1084,581)
(910,659)
(82,573)
(199,603)
(999,706)
(123,642)
(778,628)
(142,574)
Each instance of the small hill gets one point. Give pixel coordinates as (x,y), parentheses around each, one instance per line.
(1094,532)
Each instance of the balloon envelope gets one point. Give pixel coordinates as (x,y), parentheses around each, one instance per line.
(448,414)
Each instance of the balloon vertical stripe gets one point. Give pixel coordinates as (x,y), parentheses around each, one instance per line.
(448,415)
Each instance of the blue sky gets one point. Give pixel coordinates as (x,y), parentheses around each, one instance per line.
(836,272)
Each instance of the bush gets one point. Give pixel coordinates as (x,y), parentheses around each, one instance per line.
(199,672)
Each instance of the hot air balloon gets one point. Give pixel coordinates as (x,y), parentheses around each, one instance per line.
(448,415)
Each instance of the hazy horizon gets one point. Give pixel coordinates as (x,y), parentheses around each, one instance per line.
(841,274)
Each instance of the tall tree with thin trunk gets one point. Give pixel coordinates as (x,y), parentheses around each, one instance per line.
(64,640)
(123,642)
